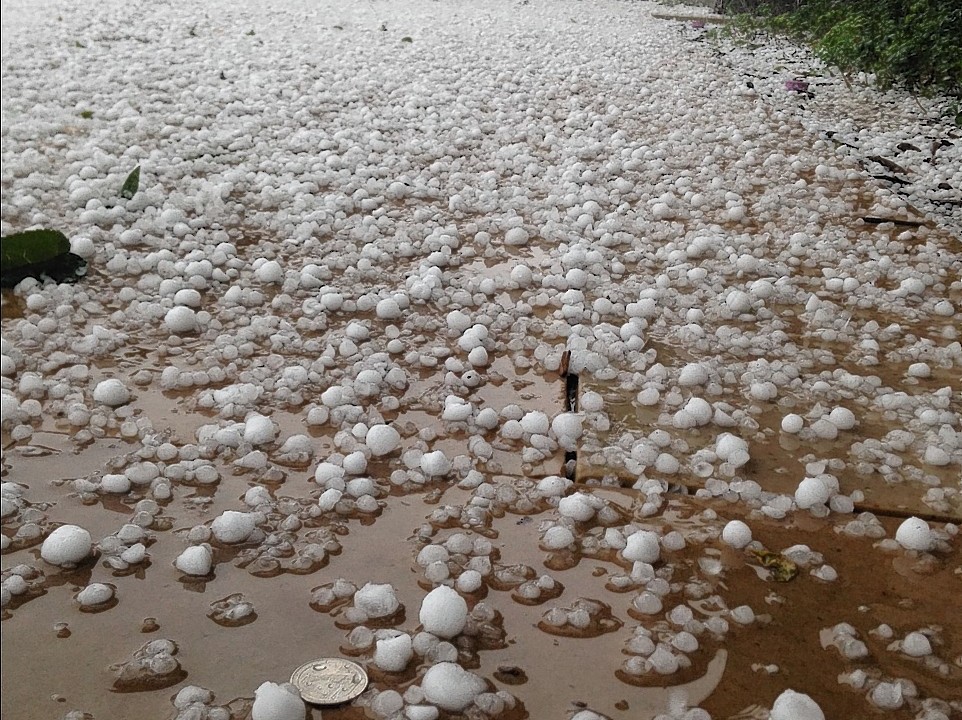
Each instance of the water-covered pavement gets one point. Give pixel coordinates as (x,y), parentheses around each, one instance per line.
(587,314)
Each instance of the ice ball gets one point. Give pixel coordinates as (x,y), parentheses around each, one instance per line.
(451,687)
(642,546)
(196,560)
(737,534)
(67,545)
(914,534)
(382,440)
(443,612)
(811,492)
(232,526)
(181,320)
(393,654)
(791,705)
(112,393)
(100,593)
(376,601)
(273,701)
(916,644)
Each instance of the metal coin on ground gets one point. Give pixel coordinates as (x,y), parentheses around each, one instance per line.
(329,681)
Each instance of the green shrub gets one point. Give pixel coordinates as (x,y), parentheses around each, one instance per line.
(913,43)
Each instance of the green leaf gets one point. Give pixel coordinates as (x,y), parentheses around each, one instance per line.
(131,184)
(32,247)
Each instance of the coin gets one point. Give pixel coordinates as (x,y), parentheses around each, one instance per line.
(329,681)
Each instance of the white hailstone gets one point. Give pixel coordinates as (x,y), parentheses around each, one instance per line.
(382,440)
(478,357)
(329,475)
(355,463)
(811,492)
(737,534)
(535,423)
(83,246)
(557,538)
(393,654)
(944,308)
(456,409)
(270,272)
(458,321)
(444,612)
(911,286)
(451,687)
(693,374)
(743,615)
(553,486)
(592,402)
(96,594)
(273,701)
(487,419)
(115,483)
(914,534)
(195,560)
(112,393)
(516,236)
(259,430)
(388,309)
(188,297)
(642,546)
(135,554)
(577,506)
(181,320)
(792,424)
(67,545)
(435,464)
(329,498)
(232,526)
(376,601)
(919,370)
(732,449)
(888,696)
(791,705)
(699,410)
(387,704)
(936,456)
(469,581)
(522,275)
(842,418)
(738,301)
(568,428)
(916,644)
(667,464)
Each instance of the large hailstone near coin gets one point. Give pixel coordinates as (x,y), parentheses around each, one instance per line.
(278,702)
(444,612)
(451,687)
(67,545)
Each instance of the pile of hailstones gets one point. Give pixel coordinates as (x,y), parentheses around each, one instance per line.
(444,686)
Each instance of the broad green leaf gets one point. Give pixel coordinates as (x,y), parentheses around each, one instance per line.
(32,247)
(131,184)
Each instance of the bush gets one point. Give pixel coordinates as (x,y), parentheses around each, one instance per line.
(915,43)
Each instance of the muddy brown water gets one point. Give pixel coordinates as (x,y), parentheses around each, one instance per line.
(46,675)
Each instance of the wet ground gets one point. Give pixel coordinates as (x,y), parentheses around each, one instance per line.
(662,233)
